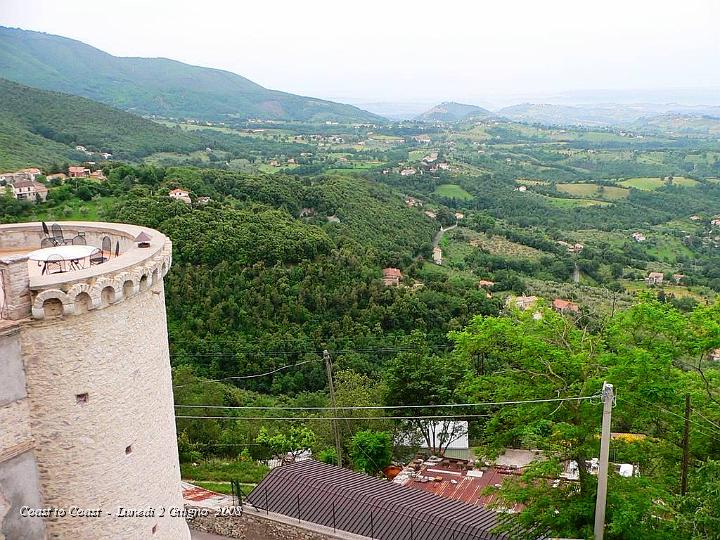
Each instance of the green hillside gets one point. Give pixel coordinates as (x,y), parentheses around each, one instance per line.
(40,128)
(153,86)
(449,111)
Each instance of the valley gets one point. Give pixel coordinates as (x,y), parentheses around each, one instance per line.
(503,263)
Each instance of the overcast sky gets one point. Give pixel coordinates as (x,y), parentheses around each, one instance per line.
(395,50)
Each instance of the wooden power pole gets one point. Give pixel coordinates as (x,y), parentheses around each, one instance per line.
(686,447)
(608,398)
(336,429)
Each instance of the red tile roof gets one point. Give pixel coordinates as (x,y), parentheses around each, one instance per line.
(565,305)
(392,272)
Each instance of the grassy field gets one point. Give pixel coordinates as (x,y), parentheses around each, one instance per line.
(611,193)
(452,191)
(651,184)
(219,470)
(667,249)
(677,290)
(461,242)
(73,210)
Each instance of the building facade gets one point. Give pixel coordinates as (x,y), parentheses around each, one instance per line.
(89,397)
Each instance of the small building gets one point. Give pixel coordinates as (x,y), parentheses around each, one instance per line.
(412,202)
(24,174)
(678,277)
(430,214)
(409,171)
(437,255)
(57,176)
(459,215)
(443,166)
(638,237)
(202,201)
(521,188)
(181,195)
(655,278)
(32,173)
(29,190)
(459,480)
(715,222)
(370,507)
(392,277)
(714,355)
(307,212)
(78,172)
(695,218)
(523,303)
(98,175)
(565,306)
(486,284)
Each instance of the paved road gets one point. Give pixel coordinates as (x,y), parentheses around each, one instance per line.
(439,234)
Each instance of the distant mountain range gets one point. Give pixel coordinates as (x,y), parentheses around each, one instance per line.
(41,128)
(450,111)
(600,115)
(154,86)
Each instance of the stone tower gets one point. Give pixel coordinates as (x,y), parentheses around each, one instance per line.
(88,397)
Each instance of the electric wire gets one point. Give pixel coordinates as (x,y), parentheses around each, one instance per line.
(242,377)
(305,418)
(388,407)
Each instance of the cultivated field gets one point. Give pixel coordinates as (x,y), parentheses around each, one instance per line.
(452,191)
(594,190)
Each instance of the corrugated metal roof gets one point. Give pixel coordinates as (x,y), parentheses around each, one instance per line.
(360,504)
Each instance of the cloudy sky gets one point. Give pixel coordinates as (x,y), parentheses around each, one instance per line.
(410,51)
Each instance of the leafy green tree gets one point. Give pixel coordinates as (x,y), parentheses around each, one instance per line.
(420,377)
(294,441)
(371,451)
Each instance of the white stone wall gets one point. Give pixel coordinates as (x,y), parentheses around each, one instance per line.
(118,355)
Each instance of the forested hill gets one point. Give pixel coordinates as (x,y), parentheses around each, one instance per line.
(40,128)
(156,86)
(452,112)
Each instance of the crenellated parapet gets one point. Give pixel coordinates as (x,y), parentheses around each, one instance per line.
(97,287)
(99,292)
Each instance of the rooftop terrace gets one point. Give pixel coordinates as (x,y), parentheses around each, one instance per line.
(27,292)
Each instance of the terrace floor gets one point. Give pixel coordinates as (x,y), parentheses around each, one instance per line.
(35,267)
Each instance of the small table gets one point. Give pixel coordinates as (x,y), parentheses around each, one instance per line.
(72,254)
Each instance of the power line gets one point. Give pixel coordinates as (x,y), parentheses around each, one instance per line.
(305,418)
(706,419)
(253,352)
(203,381)
(672,413)
(387,407)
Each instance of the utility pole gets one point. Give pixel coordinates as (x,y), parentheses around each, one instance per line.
(336,429)
(608,397)
(686,447)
